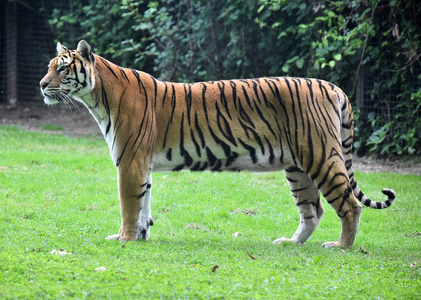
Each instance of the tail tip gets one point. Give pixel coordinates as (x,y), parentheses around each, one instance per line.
(390,193)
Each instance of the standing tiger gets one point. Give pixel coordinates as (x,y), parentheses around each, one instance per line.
(299,125)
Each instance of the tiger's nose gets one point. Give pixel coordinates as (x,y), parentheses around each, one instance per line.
(44,83)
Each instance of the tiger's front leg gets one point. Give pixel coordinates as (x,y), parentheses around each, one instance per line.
(132,187)
(145,220)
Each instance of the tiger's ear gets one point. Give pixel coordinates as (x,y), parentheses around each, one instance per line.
(85,51)
(61,49)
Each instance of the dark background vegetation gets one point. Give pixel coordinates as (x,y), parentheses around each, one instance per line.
(370,48)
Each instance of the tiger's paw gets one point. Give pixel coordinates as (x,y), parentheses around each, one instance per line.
(118,237)
(285,240)
(334,245)
(144,227)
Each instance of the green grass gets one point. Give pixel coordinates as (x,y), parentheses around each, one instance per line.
(52,127)
(60,193)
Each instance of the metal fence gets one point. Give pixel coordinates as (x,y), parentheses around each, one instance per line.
(386,101)
(26,45)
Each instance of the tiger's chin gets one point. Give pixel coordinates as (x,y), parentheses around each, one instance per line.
(50,101)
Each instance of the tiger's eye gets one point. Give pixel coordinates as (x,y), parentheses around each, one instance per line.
(62,69)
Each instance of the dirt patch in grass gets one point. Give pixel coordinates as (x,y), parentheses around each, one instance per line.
(77,121)
(72,121)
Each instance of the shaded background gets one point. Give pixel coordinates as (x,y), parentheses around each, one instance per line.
(371,49)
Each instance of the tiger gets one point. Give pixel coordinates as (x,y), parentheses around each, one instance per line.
(303,126)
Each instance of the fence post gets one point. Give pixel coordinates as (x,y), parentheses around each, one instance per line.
(359,93)
(11,55)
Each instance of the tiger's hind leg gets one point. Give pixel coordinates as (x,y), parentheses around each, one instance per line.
(307,199)
(337,190)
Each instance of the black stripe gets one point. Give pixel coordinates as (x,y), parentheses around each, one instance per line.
(196,144)
(262,117)
(179,167)
(124,74)
(205,110)
(222,98)
(294,169)
(255,135)
(183,152)
(143,118)
(231,159)
(108,66)
(173,102)
(271,154)
(136,74)
(168,155)
(122,152)
(251,150)
(245,116)
(199,130)
(224,125)
(225,147)
(291,180)
(106,105)
(165,94)
(294,113)
(141,195)
(323,181)
(155,87)
(332,189)
(299,190)
(218,165)
(246,96)
(234,93)
(164,143)
(188,99)
(196,167)
(210,156)
(310,147)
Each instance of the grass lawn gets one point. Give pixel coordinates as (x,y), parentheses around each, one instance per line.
(60,193)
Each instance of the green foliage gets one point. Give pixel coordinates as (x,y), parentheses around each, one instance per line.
(61,193)
(184,40)
(98,21)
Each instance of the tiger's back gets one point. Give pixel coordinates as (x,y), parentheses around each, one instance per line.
(262,124)
(303,126)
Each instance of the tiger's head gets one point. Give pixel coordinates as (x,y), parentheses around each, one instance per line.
(70,75)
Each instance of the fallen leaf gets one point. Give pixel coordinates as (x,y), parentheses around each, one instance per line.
(60,252)
(248,212)
(194,226)
(215,267)
(251,256)
(316,259)
(416,233)
(100,269)
(362,250)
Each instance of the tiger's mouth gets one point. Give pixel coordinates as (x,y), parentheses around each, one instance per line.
(54,95)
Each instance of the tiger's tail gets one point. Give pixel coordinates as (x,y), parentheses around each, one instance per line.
(347,133)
